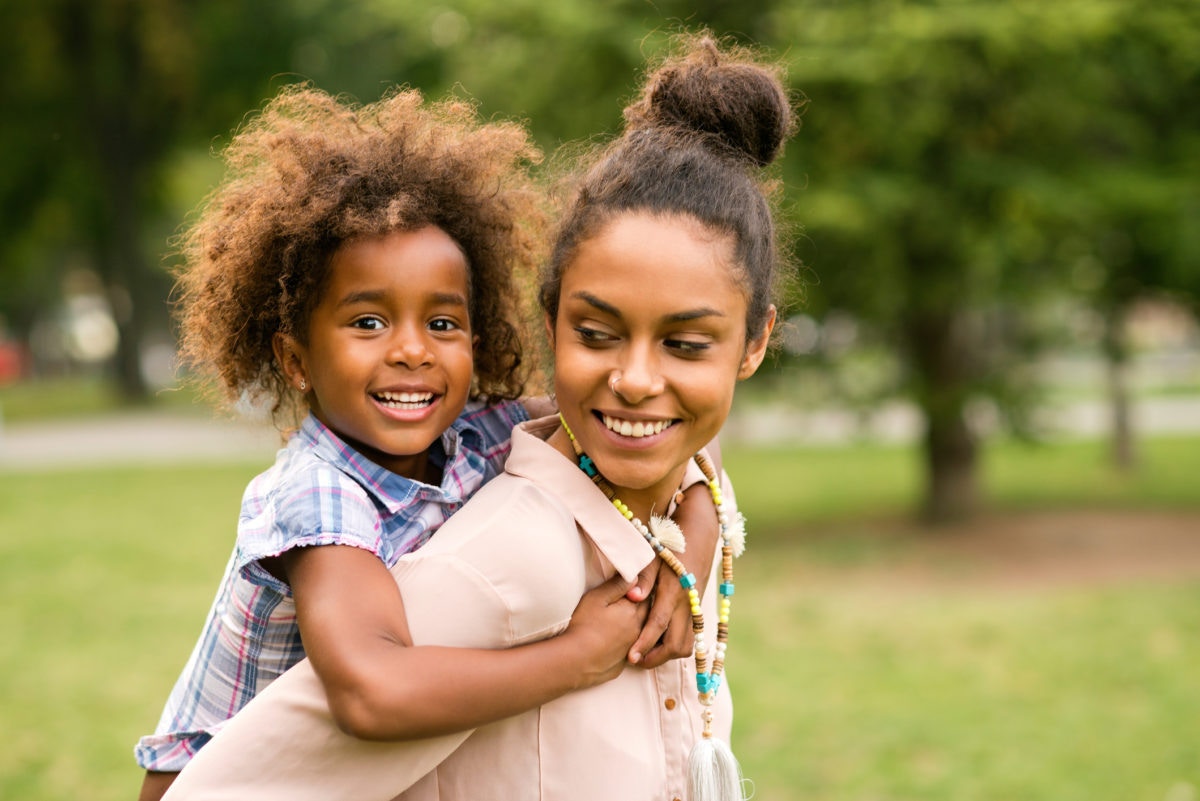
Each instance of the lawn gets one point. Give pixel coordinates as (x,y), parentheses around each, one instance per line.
(848,683)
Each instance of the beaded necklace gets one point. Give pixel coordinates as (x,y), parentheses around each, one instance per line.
(708,678)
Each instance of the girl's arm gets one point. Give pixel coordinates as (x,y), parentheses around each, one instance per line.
(352,622)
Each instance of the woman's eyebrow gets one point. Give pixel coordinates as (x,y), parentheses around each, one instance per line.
(677,317)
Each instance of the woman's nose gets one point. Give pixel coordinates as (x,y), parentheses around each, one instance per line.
(640,376)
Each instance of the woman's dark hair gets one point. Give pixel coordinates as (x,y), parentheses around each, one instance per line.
(311,172)
(695,141)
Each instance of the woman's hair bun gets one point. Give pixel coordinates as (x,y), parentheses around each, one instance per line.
(723,93)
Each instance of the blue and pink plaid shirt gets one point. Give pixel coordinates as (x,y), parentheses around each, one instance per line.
(319,492)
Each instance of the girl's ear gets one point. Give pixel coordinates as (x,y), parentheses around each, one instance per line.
(756,349)
(549,330)
(289,353)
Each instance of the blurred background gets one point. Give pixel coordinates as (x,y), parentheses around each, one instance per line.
(972,473)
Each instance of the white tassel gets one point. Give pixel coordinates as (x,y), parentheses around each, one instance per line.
(736,532)
(668,532)
(713,772)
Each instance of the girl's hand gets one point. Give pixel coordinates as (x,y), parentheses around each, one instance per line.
(603,627)
(668,631)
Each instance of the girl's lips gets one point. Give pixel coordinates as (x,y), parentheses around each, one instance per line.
(404,400)
(408,407)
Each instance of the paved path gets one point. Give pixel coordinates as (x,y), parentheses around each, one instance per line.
(164,437)
(133,438)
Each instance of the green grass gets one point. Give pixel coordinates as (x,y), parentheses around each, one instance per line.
(844,690)
(793,485)
(1086,694)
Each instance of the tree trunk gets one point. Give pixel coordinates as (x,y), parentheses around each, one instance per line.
(951,468)
(942,361)
(1116,356)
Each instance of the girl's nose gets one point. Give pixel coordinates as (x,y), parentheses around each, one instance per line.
(410,349)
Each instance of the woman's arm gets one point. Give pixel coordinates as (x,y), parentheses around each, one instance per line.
(352,622)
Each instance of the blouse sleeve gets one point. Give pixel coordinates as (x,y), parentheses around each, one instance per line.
(284,745)
(489,579)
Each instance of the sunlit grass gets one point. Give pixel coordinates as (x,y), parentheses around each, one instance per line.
(844,689)
(785,486)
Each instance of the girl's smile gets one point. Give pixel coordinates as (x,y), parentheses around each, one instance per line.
(388,352)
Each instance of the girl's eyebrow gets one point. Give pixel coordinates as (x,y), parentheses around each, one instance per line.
(678,317)
(378,295)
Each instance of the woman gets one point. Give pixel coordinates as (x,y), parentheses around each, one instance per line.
(658,301)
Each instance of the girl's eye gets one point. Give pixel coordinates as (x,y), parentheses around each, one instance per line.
(443,324)
(593,336)
(368,323)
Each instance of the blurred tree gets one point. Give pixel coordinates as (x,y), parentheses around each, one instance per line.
(949,151)
(1137,166)
(103,94)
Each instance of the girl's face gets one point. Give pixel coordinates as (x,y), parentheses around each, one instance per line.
(388,359)
(652,301)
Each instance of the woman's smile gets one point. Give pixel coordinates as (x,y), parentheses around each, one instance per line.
(645,371)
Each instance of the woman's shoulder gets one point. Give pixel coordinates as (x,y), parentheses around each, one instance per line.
(513,551)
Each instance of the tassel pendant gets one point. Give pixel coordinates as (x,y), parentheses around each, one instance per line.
(713,772)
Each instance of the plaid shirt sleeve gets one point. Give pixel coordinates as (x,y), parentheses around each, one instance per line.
(251,635)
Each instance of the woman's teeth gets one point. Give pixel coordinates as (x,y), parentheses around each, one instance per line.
(639,429)
(405,400)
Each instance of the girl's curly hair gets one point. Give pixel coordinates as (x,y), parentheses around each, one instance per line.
(311,172)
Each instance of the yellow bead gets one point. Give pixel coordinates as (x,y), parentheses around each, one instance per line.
(724,618)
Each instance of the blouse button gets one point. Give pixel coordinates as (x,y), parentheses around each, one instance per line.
(669,703)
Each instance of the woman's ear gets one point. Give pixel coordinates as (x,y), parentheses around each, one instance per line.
(756,349)
(289,353)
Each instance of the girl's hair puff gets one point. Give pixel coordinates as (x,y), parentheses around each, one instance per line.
(311,172)
(708,119)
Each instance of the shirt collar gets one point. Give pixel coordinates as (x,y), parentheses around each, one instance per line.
(392,490)
(535,459)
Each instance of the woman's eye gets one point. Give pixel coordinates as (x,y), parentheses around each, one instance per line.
(686,347)
(592,335)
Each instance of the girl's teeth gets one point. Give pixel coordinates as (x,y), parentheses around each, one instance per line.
(405,400)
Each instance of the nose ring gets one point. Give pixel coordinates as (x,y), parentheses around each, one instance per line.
(613,380)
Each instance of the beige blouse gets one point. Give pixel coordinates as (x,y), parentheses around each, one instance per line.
(507,569)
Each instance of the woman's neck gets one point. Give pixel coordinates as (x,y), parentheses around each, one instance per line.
(644,502)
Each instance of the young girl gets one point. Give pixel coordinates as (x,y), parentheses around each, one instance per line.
(355,269)
(658,300)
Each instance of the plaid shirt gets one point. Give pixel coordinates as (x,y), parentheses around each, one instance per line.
(319,492)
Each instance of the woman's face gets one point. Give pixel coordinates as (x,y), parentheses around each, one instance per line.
(651,301)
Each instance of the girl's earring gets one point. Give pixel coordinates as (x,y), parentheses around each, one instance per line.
(303,385)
